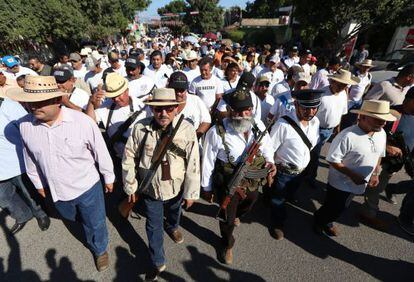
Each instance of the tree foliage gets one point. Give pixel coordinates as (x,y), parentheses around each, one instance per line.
(209,17)
(330,20)
(264,8)
(45,20)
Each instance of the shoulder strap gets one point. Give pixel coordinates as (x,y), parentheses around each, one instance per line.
(111,112)
(222,132)
(296,127)
(141,147)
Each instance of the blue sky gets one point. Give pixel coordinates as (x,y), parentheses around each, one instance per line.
(152,9)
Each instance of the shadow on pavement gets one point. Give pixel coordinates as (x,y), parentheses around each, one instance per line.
(14,263)
(200,268)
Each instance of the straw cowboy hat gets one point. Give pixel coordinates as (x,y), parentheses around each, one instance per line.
(163,97)
(377,109)
(115,85)
(36,89)
(345,77)
(365,63)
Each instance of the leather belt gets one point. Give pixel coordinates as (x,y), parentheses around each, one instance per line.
(289,169)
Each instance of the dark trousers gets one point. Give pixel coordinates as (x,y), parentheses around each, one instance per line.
(11,200)
(23,186)
(312,169)
(90,206)
(284,187)
(154,225)
(336,202)
(236,208)
(407,207)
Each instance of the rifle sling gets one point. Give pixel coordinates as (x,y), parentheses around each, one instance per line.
(302,135)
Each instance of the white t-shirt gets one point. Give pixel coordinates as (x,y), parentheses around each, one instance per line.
(93,79)
(218,72)
(80,98)
(141,87)
(80,73)
(160,76)
(121,70)
(357,151)
(228,86)
(332,108)
(280,88)
(319,79)
(283,105)
(266,105)
(22,71)
(306,68)
(257,69)
(206,89)
(357,91)
(119,115)
(288,61)
(191,74)
(274,77)
(288,145)
(195,111)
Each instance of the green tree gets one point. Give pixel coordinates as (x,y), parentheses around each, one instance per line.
(175,6)
(210,17)
(264,8)
(330,21)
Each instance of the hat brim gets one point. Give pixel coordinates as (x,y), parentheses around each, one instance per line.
(353,81)
(159,103)
(386,117)
(309,104)
(364,65)
(18,94)
(118,92)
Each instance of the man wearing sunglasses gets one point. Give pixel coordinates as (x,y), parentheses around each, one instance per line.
(177,180)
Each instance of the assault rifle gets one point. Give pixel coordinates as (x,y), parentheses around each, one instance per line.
(119,134)
(241,171)
(125,206)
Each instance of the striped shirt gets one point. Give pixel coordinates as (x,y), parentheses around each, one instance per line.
(66,156)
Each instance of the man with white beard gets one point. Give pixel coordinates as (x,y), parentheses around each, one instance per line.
(223,149)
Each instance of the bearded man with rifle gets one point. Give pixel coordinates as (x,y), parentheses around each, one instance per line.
(161,165)
(237,158)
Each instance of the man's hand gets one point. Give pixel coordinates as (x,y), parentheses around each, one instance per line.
(97,98)
(358,179)
(187,203)
(207,196)
(42,193)
(373,181)
(271,174)
(394,151)
(132,198)
(109,187)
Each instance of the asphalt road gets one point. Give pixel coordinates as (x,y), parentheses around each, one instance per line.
(360,253)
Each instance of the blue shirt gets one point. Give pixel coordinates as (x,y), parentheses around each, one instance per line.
(406,126)
(11,154)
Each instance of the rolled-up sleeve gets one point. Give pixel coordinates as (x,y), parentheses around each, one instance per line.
(128,163)
(338,149)
(192,174)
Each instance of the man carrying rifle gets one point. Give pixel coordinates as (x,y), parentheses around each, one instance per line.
(293,136)
(224,152)
(174,181)
(116,115)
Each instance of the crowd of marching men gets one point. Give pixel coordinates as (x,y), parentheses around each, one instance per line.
(170,121)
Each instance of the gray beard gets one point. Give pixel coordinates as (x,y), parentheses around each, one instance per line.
(241,124)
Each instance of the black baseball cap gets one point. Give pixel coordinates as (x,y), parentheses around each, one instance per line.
(136,52)
(62,75)
(178,80)
(246,80)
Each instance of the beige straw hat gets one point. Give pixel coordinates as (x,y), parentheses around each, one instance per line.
(345,77)
(36,88)
(377,109)
(115,85)
(365,63)
(163,97)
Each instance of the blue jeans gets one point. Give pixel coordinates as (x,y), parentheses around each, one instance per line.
(11,200)
(312,169)
(91,208)
(24,185)
(283,188)
(154,225)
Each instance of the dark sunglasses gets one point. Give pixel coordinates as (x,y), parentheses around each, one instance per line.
(160,109)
